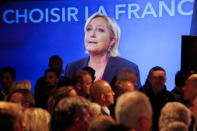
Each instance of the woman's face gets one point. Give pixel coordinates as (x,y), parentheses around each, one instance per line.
(98,36)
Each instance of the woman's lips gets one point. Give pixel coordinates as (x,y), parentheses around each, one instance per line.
(92,42)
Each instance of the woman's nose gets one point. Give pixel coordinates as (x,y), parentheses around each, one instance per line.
(93,33)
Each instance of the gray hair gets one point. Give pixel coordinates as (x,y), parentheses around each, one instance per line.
(174,111)
(114,50)
(175,126)
(132,106)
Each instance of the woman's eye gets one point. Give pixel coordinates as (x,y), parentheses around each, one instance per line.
(88,29)
(101,30)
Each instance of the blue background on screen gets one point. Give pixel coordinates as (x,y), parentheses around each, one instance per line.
(31,32)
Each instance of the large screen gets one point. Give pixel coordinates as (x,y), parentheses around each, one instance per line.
(151,30)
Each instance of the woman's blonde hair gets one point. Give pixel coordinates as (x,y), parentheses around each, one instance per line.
(26,84)
(36,119)
(115,29)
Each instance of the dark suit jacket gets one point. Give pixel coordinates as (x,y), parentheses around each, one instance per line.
(114,66)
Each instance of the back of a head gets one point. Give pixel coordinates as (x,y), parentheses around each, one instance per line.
(95,109)
(78,76)
(101,93)
(180,79)
(174,111)
(175,126)
(132,106)
(60,93)
(101,123)
(36,119)
(10,116)
(21,85)
(97,89)
(68,109)
(122,86)
(193,79)
(56,63)
(125,75)
(91,71)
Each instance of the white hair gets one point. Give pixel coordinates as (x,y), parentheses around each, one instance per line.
(174,111)
(175,126)
(114,50)
(132,106)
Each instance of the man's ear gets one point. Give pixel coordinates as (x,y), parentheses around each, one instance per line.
(165,79)
(103,97)
(78,86)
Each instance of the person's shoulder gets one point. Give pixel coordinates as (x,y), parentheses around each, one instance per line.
(122,61)
(75,65)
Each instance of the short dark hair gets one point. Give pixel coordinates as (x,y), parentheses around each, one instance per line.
(8,70)
(91,71)
(78,76)
(67,110)
(156,68)
(55,58)
(180,78)
(52,70)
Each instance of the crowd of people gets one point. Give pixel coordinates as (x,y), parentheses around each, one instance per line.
(102,92)
(82,103)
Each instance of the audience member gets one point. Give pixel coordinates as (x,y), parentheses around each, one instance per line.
(21,85)
(193,109)
(72,114)
(120,87)
(155,89)
(11,117)
(55,64)
(22,96)
(91,71)
(180,79)
(127,75)
(47,88)
(101,123)
(102,94)
(172,112)
(95,109)
(133,110)
(60,93)
(189,88)
(82,81)
(36,119)
(8,77)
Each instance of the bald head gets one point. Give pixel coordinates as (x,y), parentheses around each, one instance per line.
(101,93)
(190,87)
